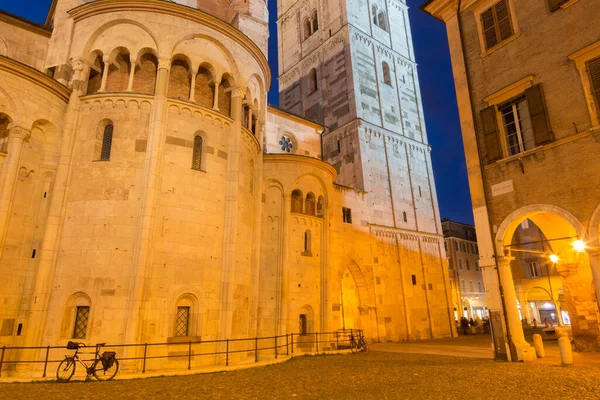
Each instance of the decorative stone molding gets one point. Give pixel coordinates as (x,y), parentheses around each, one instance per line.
(250,141)
(164,63)
(115,100)
(19,132)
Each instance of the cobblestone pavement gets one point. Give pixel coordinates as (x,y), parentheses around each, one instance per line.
(374,375)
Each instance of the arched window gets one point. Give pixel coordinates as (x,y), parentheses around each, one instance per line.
(104,139)
(179,80)
(297,201)
(382,20)
(307,243)
(374,13)
(312,81)
(186,319)
(307,28)
(315,21)
(320,205)
(387,76)
(309,206)
(144,79)
(303,324)
(197,153)
(77,318)
(4,122)
(95,77)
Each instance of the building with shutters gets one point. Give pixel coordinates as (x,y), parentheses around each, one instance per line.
(466,279)
(149,194)
(527,77)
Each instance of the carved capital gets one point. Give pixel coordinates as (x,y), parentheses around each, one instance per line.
(106,59)
(19,132)
(77,64)
(238,92)
(164,63)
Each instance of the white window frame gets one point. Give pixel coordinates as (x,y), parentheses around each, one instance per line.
(483,7)
(533,269)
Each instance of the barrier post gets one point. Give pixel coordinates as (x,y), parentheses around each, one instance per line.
(144,362)
(287,341)
(46,361)
(2,359)
(292,342)
(256,349)
(190,355)
(276,347)
(317,341)
(227,352)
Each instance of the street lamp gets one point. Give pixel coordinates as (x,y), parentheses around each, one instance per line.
(554,258)
(579,245)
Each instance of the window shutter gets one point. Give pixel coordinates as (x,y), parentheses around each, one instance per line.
(594,68)
(490,138)
(489,28)
(505,29)
(555,4)
(539,117)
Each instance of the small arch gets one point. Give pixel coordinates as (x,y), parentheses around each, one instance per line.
(95,76)
(179,79)
(387,76)
(313,84)
(119,69)
(307,28)
(309,205)
(204,87)
(144,79)
(104,138)
(225,95)
(374,14)
(320,206)
(306,320)
(315,21)
(197,153)
(297,201)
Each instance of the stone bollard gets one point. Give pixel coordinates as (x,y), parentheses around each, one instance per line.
(560,332)
(566,351)
(538,345)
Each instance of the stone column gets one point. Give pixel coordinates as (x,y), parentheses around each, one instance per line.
(193,87)
(249,118)
(36,311)
(105,67)
(10,171)
(285,280)
(132,64)
(143,244)
(231,220)
(524,351)
(216,99)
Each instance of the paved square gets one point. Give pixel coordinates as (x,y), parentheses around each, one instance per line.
(374,375)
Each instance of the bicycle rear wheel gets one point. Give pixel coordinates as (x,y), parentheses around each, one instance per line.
(353,346)
(362,343)
(106,374)
(65,370)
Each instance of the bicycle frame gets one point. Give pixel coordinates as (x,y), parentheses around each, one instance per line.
(91,368)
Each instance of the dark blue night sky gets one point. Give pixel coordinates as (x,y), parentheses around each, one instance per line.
(437,87)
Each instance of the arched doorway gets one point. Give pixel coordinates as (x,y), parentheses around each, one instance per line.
(543,246)
(354,300)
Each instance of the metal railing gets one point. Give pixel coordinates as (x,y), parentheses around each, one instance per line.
(180,353)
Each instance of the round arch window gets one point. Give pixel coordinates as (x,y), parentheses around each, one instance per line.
(286,144)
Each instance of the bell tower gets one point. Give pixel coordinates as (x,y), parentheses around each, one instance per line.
(350,65)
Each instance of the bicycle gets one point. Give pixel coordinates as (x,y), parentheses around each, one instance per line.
(358,345)
(104,367)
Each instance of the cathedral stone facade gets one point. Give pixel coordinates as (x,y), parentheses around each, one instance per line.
(148,193)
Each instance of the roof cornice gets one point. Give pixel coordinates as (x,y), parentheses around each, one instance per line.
(99,7)
(25,24)
(296,118)
(36,77)
(298,159)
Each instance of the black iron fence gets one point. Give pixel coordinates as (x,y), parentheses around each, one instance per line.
(181,353)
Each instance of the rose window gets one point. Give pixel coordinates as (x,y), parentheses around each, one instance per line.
(286,144)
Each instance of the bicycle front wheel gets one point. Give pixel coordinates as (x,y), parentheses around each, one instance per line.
(353,346)
(363,345)
(65,370)
(106,374)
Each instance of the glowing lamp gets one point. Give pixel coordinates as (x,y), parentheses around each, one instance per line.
(579,245)
(554,258)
